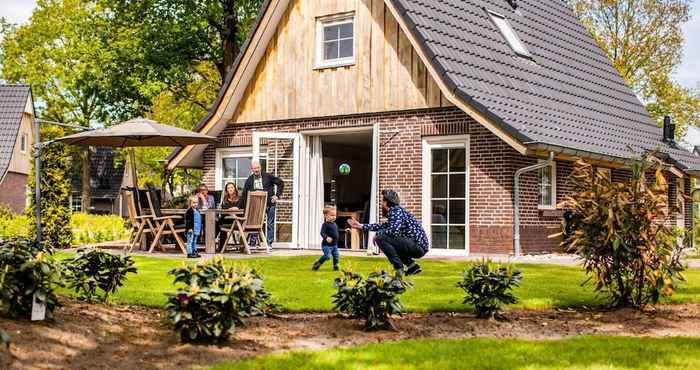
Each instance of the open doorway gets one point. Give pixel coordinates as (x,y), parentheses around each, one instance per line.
(342,161)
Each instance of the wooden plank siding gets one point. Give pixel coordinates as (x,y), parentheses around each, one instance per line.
(387,75)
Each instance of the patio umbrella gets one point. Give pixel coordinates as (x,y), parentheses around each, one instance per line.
(138,132)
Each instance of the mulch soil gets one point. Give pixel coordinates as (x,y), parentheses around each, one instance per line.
(87,336)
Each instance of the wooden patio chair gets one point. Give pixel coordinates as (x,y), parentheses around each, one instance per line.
(141,225)
(252,222)
(165,225)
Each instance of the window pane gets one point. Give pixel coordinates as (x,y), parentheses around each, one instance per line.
(229,166)
(330,50)
(509,35)
(439,160)
(545,187)
(345,48)
(458,187)
(439,237)
(545,175)
(244,167)
(439,186)
(283,233)
(545,198)
(330,33)
(458,237)
(457,208)
(440,212)
(240,183)
(458,160)
(263,164)
(346,30)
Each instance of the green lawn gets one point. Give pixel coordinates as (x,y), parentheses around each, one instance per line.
(297,288)
(577,353)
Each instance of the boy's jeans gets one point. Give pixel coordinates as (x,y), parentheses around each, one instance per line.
(192,242)
(329,250)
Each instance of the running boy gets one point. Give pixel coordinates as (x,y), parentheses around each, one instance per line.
(329,244)
(193,227)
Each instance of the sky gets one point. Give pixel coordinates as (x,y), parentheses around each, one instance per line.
(18,11)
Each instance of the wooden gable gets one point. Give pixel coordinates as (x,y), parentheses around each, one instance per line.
(387,75)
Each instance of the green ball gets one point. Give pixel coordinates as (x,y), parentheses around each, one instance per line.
(344,169)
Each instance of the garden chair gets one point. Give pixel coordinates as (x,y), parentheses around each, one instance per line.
(165,225)
(252,222)
(141,225)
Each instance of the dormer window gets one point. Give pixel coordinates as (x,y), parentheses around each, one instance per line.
(335,41)
(509,34)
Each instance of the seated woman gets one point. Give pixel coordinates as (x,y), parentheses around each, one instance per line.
(229,199)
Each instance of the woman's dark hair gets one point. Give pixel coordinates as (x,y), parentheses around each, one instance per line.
(228,197)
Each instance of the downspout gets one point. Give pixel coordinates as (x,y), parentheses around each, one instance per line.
(516,199)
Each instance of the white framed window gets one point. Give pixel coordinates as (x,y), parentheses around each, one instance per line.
(446,193)
(233,165)
(509,34)
(23,141)
(547,187)
(76,202)
(335,41)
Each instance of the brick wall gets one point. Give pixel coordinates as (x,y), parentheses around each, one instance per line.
(492,168)
(13,192)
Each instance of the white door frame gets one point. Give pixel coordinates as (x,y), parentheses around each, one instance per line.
(433,142)
(374,130)
(296,138)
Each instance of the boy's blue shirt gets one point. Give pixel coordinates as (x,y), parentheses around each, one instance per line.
(329,229)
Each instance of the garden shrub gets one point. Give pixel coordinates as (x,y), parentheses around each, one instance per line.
(86,228)
(55,192)
(215,298)
(622,232)
(26,271)
(373,300)
(90,229)
(489,287)
(93,269)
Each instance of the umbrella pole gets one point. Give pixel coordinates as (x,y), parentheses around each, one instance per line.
(134,177)
(132,159)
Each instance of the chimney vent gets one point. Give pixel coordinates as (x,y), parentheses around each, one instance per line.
(669,130)
(513,3)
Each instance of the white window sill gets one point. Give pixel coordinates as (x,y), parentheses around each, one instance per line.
(547,208)
(340,64)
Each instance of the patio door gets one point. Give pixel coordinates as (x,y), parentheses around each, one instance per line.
(283,162)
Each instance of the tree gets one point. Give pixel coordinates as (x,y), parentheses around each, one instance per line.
(623,234)
(55,193)
(67,54)
(644,40)
(176,36)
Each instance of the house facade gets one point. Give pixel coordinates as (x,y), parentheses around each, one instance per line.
(446,102)
(16,142)
(106,181)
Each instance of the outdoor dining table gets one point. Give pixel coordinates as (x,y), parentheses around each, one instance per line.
(210,217)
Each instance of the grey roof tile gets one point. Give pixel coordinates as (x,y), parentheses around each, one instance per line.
(13,100)
(568,95)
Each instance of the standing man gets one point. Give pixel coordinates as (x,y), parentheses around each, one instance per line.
(270,183)
(401,237)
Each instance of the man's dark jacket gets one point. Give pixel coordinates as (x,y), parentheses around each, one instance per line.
(268,181)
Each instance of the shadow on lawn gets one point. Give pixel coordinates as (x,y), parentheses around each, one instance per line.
(583,352)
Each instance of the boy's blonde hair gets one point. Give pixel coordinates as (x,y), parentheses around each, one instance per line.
(194,198)
(328,209)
